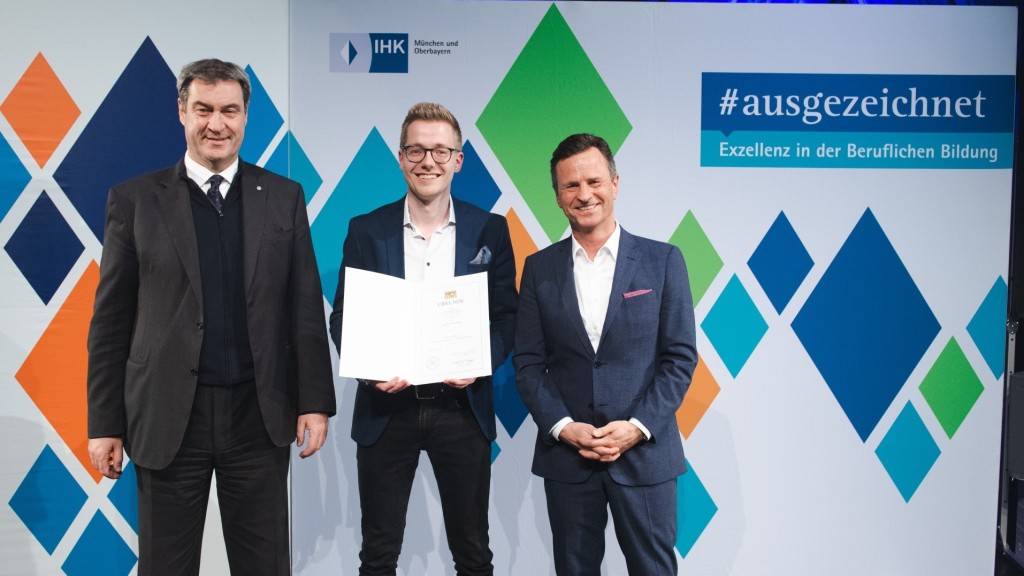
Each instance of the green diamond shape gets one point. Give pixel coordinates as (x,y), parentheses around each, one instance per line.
(951,387)
(702,260)
(551,91)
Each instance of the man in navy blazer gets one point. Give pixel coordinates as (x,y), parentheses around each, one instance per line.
(207,348)
(605,349)
(426,235)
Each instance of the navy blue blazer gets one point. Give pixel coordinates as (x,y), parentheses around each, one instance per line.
(641,369)
(376,243)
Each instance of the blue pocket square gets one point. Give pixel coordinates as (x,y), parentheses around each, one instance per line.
(483,257)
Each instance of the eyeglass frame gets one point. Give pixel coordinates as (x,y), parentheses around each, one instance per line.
(451,152)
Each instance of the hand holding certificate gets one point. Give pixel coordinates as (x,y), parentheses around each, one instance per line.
(421,331)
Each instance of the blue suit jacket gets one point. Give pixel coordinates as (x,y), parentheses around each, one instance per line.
(376,243)
(641,369)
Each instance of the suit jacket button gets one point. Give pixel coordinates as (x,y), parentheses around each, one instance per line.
(200,325)
(194,372)
(598,364)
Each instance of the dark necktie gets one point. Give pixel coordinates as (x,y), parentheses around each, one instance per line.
(214,191)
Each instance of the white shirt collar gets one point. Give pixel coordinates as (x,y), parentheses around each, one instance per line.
(611,245)
(201,174)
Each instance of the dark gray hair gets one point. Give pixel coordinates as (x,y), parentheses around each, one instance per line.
(212,70)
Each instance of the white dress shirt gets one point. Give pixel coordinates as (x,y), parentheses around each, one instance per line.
(429,258)
(201,175)
(593,279)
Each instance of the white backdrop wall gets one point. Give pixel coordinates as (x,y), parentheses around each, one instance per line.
(811,450)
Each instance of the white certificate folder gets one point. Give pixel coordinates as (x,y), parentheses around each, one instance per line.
(423,332)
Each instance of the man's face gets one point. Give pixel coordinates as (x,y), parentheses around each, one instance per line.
(586,192)
(427,179)
(214,119)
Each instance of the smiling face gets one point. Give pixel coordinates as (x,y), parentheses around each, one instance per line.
(214,119)
(585,191)
(429,181)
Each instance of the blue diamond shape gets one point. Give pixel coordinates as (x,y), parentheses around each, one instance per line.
(866,325)
(508,405)
(988,328)
(135,130)
(13,177)
(372,180)
(495,450)
(695,509)
(734,326)
(44,247)
(99,546)
(124,496)
(908,451)
(48,500)
(474,183)
(289,159)
(264,121)
(780,262)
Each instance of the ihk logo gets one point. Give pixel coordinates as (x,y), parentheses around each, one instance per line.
(369,53)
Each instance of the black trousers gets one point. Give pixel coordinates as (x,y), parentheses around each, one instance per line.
(226,436)
(460,456)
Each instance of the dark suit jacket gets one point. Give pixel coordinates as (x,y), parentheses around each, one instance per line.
(147,325)
(376,243)
(641,369)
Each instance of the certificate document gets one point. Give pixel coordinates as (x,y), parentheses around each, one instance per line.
(421,331)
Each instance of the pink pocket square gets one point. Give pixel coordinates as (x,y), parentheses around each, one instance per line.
(636,293)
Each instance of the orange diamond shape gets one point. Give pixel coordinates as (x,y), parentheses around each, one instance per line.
(40,110)
(54,373)
(703,391)
(522,244)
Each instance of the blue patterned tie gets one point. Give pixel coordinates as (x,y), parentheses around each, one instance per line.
(214,191)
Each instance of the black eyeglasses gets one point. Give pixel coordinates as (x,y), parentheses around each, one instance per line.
(441,154)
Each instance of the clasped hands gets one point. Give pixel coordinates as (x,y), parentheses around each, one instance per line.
(604,444)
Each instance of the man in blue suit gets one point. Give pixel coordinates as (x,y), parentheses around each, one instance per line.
(605,349)
(426,235)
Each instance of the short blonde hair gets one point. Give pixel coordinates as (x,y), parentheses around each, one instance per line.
(432,112)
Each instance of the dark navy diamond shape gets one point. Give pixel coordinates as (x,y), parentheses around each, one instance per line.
(44,247)
(124,496)
(135,130)
(13,177)
(48,500)
(99,546)
(474,183)
(780,262)
(866,325)
(508,405)
(264,121)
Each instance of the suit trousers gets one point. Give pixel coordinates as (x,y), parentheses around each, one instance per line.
(226,436)
(645,520)
(460,455)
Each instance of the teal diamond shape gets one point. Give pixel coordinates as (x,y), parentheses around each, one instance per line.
(908,452)
(289,159)
(734,326)
(371,180)
(695,509)
(988,328)
(551,91)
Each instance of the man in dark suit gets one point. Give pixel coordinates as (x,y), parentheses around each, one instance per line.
(605,349)
(423,236)
(207,348)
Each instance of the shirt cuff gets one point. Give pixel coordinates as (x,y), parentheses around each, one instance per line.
(643,429)
(556,430)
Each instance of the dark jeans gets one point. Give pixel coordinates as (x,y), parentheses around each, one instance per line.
(226,435)
(461,458)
